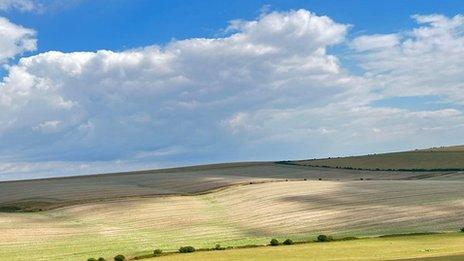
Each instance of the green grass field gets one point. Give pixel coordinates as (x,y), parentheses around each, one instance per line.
(429,159)
(443,247)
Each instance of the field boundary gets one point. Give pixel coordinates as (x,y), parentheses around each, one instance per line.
(294,163)
(146,256)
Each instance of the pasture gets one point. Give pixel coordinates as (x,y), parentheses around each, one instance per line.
(417,248)
(443,158)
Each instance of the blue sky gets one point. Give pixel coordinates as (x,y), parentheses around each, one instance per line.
(103,86)
(122,24)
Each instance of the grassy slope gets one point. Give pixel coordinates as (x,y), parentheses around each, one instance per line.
(435,158)
(300,210)
(393,248)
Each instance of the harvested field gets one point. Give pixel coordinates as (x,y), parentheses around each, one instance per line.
(51,193)
(296,209)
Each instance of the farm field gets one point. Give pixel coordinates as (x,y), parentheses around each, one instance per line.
(52,193)
(415,248)
(427,159)
(295,209)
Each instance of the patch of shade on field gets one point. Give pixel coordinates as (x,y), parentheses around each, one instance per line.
(443,158)
(50,193)
(421,248)
(241,215)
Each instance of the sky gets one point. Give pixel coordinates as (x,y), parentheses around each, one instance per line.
(107,86)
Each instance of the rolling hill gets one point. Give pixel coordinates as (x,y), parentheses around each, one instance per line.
(433,159)
(232,204)
(42,194)
(239,215)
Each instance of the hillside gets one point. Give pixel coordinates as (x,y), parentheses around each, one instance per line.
(51,193)
(74,218)
(433,159)
(296,209)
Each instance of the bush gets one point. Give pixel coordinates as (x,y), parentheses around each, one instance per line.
(218,247)
(101,259)
(324,238)
(187,249)
(288,242)
(157,252)
(462,229)
(274,242)
(91,259)
(119,258)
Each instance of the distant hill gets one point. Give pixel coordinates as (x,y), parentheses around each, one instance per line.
(431,159)
(459,148)
(42,194)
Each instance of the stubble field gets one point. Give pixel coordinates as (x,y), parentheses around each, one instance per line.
(239,215)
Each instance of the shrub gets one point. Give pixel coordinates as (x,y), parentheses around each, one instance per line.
(101,259)
(91,259)
(218,247)
(157,252)
(324,238)
(288,242)
(274,242)
(462,229)
(119,258)
(187,249)
(10,209)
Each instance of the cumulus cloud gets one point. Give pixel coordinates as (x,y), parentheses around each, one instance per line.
(15,40)
(427,60)
(156,96)
(346,128)
(268,90)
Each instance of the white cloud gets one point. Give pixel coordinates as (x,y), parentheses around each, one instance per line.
(110,104)
(47,126)
(28,170)
(269,90)
(427,60)
(373,42)
(15,40)
(22,5)
(344,129)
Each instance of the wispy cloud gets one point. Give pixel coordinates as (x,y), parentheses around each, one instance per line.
(22,5)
